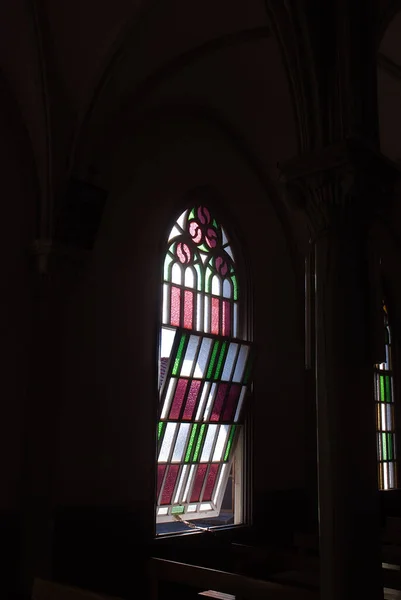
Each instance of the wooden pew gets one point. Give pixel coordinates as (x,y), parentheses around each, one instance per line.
(206,579)
(50,590)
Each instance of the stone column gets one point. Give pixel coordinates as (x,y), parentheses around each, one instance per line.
(337,188)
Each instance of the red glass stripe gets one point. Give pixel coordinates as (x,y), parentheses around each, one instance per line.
(226,317)
(232,401)
(178,398)
(169,484)
(197,487)
(191,400)
(215,315)
(175,310)
(218,401)
(188,309)
(210,481)
(161,469)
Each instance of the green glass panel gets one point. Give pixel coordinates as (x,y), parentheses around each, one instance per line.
(199,442)
(221,360)
(208,280)
(388,388)
(390,446)
(384,446)
(179,355)
(381,383)
(235,285)
(191,442)
(177,510)
(248,368)
(229,443)
(204,248)
(160,429)
(167,262)
(215,223)
(212,359)
(192,214)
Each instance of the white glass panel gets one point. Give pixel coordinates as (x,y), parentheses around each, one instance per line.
(207,314)
(227,288)
(168,398)
(163,511)
(199,313)
(241,361)
(176,274)
(229,363)
(203,256)
(240,402)
(218,487)
(166,342)
(189,277)
(203,358)
(385,476)
(201,406)
(209,441)
(180,484)
(229,251)
(190,356)
(191,508)
(216,286)
(181,219)
(166,295)
(391,475)
(210,401)
(223,236)
(221,442)
(174,232)
(189,482)
(205,506)
(207,279)
(181,442)
(235,320)
(167,441)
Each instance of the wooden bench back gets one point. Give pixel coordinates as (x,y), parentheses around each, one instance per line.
(50,590)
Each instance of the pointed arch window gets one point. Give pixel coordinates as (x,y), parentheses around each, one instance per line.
(204,369)
(385,418)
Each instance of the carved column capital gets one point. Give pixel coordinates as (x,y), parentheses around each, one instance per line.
(344,182)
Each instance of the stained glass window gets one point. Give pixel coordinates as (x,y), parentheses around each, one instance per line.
(204,369)
(385,419)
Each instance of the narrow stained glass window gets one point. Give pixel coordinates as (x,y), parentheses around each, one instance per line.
(385,418)
(203,370)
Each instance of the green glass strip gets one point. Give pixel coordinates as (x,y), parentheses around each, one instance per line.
(208,280)
(229,443)
(235,284)
(390,446)
(381,383)
(248,368)
(384,447)
(177,510)
(212,359)
(220,362)
(191,442)
(167,262)
(199,442)
(215,223)
(160,429)
(192,214)
(388,388)
(204,248)
(179,355)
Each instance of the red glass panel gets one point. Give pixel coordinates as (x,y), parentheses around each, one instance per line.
(218,401)
(191,400)
(226,317)
(161,469)
(197,487)
(215,315)
(169,484)
(232,401)
(175,306)
(210,481)
(188,309)
(178,398)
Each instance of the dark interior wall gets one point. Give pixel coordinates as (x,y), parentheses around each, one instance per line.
(106,440)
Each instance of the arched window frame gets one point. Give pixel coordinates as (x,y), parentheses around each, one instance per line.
(211,277)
